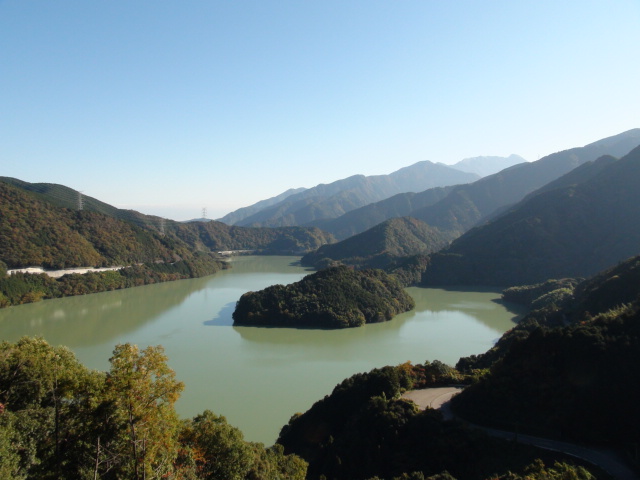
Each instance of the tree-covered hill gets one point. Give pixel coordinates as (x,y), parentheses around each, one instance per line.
(574,230)
(363,430)
(562,302)
(380,245)
(469,204)
(35,232)
(336,297)
(364,218)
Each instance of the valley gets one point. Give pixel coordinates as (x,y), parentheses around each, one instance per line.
(233,370)
(561,232)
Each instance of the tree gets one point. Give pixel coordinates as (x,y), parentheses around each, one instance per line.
(217,449)
(39,385)
(143,390)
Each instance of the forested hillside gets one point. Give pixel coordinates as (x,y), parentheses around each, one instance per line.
(42,224)
(568,370)
(36,232)
(364,218)
(381,245)
(363,430)
(590,221)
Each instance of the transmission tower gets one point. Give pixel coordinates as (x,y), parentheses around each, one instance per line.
(162,227)
(204,212)
(80,201)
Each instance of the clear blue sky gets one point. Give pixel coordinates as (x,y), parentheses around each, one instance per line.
(171,106)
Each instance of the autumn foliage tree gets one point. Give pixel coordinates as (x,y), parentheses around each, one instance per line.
(144,390)
(59,419)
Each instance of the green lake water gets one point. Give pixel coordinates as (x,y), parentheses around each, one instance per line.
(257,377)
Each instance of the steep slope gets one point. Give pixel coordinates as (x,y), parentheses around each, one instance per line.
(36,232)
(571,231)
(65,197)
(574,374)
(487,165)
(397,237)
(335,199)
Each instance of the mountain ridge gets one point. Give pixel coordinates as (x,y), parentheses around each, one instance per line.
(336,198)
(586,224)
(458,208)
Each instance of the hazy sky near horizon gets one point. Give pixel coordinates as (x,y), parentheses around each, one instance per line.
(167,107)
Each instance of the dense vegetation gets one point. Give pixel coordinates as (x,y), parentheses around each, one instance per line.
(19,288)
(336,297)
(364,430)
(60,420)
(568,369)
(380,246)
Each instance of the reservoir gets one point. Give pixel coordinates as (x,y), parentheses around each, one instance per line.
(257,377)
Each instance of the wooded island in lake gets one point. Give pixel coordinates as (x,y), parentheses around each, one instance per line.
(337,297)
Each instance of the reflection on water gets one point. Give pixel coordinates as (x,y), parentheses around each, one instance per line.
(93,319)
(257,377)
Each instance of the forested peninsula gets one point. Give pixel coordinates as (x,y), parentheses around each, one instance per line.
(337,297)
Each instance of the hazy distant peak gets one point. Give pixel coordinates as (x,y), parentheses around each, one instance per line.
(487,165)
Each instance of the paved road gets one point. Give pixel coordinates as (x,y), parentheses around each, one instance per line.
(439,398)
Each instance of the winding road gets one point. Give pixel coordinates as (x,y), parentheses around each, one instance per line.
(609,461)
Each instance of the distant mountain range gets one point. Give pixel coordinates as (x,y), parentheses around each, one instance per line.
(456,209)
(334,199)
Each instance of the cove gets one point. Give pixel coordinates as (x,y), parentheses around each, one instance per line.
(258,377)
